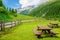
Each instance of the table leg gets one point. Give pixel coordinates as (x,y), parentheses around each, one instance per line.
(44,31)
(48,31)
(38,36)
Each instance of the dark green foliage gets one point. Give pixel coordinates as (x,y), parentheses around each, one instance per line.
(1,3)
(2,10)
(14,12)
(5,12)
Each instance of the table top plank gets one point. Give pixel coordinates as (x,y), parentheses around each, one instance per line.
(44,28)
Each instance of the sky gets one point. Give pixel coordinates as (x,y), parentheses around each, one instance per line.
(12,3)
(22,3)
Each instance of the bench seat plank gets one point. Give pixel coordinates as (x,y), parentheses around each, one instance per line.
(37,33)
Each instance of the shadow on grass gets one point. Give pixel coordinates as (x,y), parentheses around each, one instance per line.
(49,37)
(8,30)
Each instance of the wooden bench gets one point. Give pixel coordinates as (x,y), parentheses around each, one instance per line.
(52,33)
(37,33)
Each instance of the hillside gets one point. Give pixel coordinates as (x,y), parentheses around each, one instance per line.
(10,15)
(47,10)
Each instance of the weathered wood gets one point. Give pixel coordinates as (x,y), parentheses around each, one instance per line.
(53,25)
(2,26)
(15,23)
(44,28)
(19,22)
(37,33)
(10,24)
(52,32)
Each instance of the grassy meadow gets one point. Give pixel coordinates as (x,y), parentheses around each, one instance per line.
(12,18)
(24,31)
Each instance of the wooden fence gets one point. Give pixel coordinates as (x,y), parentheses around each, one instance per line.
(9,24)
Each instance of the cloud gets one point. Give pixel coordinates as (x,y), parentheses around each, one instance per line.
(26,3)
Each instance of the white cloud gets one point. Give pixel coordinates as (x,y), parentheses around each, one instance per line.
(26,3)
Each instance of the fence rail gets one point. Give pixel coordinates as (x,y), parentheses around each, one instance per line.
(4,25)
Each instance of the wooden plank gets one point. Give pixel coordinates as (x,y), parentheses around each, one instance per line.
(52,32)
(4,25)
(44,28)
(37,33)
(8,26)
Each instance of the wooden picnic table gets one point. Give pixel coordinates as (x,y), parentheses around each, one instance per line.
(44,29)
(53,25)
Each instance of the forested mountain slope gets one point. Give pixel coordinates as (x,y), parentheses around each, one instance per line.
(47,10)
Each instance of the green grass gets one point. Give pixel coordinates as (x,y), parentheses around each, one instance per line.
(24,31)
(22,17)
(9,17)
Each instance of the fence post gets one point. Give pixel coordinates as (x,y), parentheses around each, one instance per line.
(2,26)
(18,21)
(15,23)
(11,24)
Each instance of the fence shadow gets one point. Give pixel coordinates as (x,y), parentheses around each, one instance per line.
(8,30)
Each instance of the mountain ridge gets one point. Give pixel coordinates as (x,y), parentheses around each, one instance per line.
(51,8)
